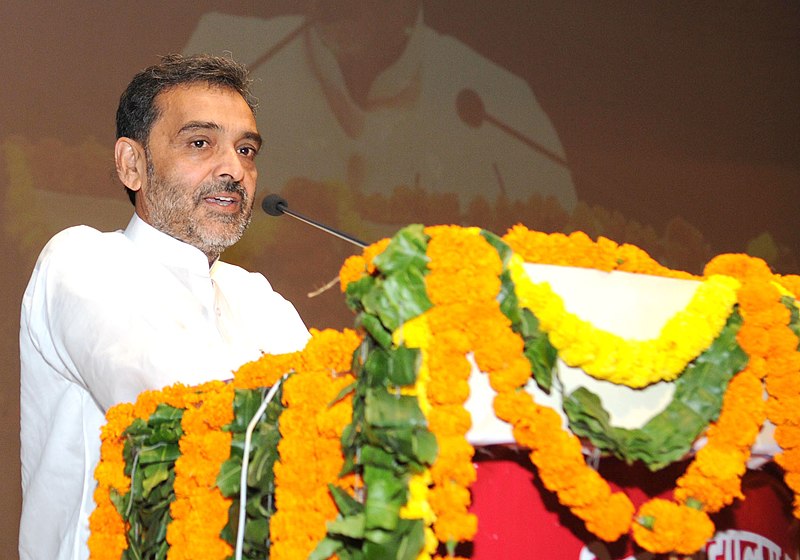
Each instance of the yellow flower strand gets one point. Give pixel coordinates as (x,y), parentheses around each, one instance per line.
(416,334)
(634,363)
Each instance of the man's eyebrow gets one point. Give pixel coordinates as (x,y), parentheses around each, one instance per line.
(255,137)
(192,126)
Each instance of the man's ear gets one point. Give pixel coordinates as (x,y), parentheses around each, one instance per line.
(131,163)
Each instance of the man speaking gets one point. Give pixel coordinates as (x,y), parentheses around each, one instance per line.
(108,315)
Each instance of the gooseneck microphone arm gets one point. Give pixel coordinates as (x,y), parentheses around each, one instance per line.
(275,205)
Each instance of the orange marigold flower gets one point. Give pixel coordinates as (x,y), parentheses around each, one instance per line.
(449,419)
(663,526)
(353,269)
(508,405)
(610,518)
(460,286)
(791,282)
(372,251)
(738,266)
(330,350)
(787,436)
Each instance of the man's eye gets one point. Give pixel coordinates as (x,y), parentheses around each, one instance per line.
(199,143)
(248,151)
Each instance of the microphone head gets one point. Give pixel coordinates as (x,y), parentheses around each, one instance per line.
(274,204)
(469,106)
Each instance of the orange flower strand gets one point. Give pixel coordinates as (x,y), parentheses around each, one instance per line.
(356,266)
(578,250)
(310,455)
(675,528)
(200,511)
(463,276)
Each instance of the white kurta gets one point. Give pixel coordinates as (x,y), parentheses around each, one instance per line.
(105,317)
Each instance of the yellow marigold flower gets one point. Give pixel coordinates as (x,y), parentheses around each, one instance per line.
(414,333)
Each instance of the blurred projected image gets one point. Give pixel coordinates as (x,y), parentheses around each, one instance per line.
(415,125)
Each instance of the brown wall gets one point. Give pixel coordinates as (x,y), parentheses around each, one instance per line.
(680,121)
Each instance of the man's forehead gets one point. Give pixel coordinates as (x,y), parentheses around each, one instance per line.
(202,102)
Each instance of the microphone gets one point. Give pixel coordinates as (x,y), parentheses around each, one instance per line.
(472,112)
(275,205)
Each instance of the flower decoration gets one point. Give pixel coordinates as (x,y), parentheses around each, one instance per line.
(372,453)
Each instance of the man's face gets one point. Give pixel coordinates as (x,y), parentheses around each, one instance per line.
(201,173)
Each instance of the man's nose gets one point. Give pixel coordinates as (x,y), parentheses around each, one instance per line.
(230,165)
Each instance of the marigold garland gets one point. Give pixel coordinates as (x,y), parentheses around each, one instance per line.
(200,511)
(310,452)
(634,363)
(774,355)
(578,250)
(463,283)
(107,540)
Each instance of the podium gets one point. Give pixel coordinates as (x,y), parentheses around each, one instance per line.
(531,396)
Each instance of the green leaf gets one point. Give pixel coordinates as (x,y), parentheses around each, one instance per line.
(159,453)
(669,435)
(153,476)
(245,405)
(257,530)
(377,457)
(425,446)
(398,298)
(393,411)
(357,290)
(346,504)
(385,496)
(543,357)
(343,393)
(794,315)
(398,366)
(165,413)
(499,245)
(406,250)
(507,298)
(351,526)
(229,477)
(326,548)
(376,330)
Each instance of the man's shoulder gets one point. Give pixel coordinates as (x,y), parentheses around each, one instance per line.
(77,241)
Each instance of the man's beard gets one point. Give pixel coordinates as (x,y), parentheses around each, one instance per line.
(180,214)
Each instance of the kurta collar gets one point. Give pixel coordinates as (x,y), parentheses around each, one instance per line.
(166,249)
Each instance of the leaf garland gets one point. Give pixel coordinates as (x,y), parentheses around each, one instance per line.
(387,442)
(260,479)
(669,435)
(151,448)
